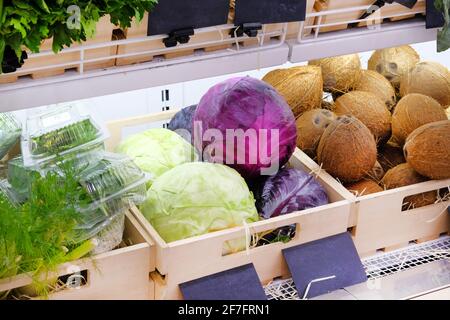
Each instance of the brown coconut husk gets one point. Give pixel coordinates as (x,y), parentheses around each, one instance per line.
(347,149)
(310,127)
(404,175)
(340,74)
(428,78)
(394,63)
(390,156)
(364,187)
(427,150)
(302,87)
(369,109)
(412,112)
(372,81)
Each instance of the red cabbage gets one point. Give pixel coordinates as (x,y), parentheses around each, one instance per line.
(181,123)
(288,191)
(254,107)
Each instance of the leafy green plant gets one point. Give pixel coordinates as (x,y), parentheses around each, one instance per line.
(39,235)
(26,23)
(443,39)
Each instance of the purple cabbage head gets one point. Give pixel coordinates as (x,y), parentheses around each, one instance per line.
(246,124)
(182,122)
(288,191)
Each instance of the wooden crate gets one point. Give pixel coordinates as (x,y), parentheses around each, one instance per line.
(189,259)
(104,34)
(139,30)
(378,222)
(120,274)
(378,17)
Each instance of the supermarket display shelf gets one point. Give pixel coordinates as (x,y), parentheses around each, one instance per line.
(29,93)
(418,271)
(386,35)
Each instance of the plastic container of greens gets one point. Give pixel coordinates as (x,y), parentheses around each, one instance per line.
(93,214)
(20,176)
(107,235)
(110,175)
(110,236)
(58,131)
(10,131)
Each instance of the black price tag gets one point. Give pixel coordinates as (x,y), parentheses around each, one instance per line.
(435,18)
(269,11)
(172,15)
(241,283)
(325,265)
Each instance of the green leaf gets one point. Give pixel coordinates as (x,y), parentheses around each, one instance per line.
(2,51)
(43,5)
(443,38)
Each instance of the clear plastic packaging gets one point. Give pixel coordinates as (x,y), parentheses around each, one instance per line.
(103,209)
(20,176)
(110,175)
(8,193)
(111,235)
(58,130)
(10,131)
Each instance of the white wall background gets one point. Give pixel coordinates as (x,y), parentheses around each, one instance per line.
(123,105)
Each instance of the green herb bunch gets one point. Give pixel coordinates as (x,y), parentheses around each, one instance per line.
(37,236)
(26,23)
(443,40)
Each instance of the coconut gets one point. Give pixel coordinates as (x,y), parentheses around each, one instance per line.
(429,78)
(390,156)
(412,112)
(427,150)
(364,187)
(310,127)
(369,109)
(347,149)
(404,175)
(375,83)
(393,63)
(340,74)
(302,87)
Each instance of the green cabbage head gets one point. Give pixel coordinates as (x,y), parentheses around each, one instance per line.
(197,198)
(156,151)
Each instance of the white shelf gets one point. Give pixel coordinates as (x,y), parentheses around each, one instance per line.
(28,93)
(349,41)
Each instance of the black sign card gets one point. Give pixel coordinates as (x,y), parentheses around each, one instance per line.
(269,11)
(241,283)
(168,16)
(326,265)
(407,3)
(435,18)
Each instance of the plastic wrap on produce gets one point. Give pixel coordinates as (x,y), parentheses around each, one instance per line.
(58,131)
(10,131)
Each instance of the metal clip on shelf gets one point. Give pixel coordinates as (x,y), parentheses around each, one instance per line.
(181,36)
(250,29)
